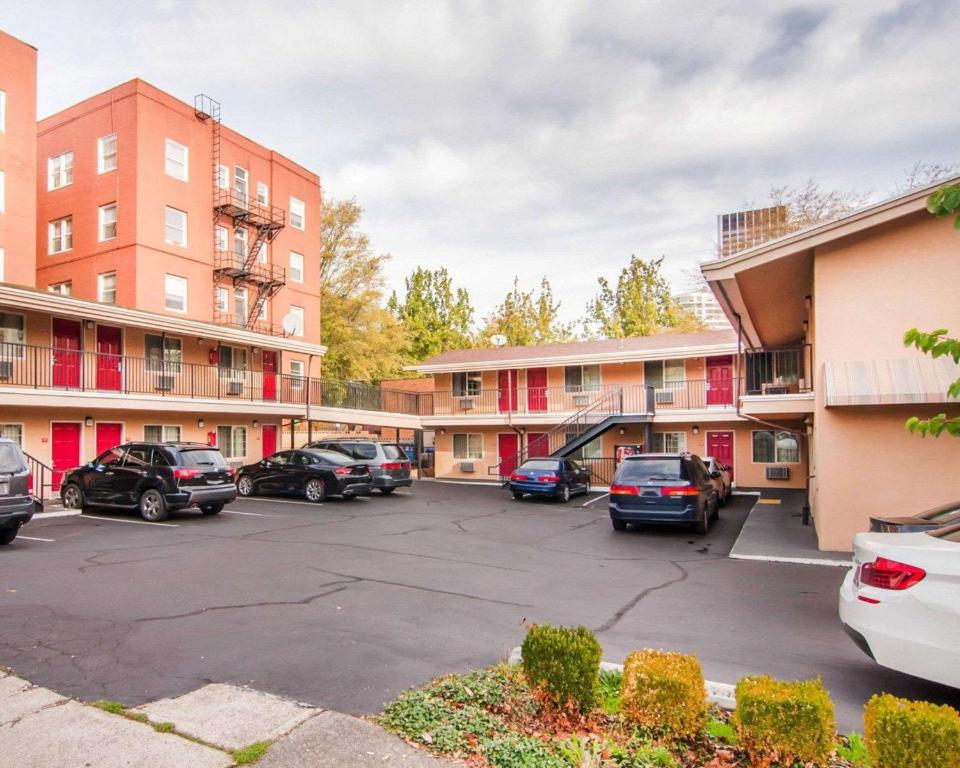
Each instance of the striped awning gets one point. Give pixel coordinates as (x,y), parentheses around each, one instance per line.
(889,382)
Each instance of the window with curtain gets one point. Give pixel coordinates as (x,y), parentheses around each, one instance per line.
(779,447)
(467,446)
(467,383)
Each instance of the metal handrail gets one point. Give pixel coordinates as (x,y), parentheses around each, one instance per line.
(42,478)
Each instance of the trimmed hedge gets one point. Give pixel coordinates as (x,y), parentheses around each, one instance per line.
(911,734)
(663,692)
(788,721)
(565,663)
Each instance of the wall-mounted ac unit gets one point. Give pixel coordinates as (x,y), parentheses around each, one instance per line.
(234,387)
(6,369)
(664,396)
(164,383)
(778,473)
(581,398)
(467,466)
(466,403)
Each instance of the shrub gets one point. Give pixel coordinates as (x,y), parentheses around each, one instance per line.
(565,663)
(789,721)
(911,734)
(663,692)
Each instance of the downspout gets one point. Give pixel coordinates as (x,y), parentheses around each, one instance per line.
(307,404)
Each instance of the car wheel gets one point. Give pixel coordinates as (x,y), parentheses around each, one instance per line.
(72,497)
(349,498)
(245,485)
(586,488)
(703,523)
(517,495)
(387,491)
(7,535)
(564,495)
(716,510)
(153,507)
(315,491)
(618,525)
(722,499)
(211,509)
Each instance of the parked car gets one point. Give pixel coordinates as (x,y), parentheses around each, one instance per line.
(720,474)
(663,488)
(313,474)
(900,603)
(387,461)
(154,478)
(16,491)
(555,478)
(938,517)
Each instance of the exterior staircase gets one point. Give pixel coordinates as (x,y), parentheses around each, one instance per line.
(42,480)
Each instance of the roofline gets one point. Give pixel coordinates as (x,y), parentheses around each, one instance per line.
(618,356)
(31,299)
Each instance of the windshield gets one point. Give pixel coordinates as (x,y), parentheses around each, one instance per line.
(202,457)
(11,459)
(393,452)
(642,470)
(552,466)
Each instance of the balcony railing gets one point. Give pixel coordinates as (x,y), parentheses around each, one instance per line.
(532,401)
(777,371)
(233,264)
(239,321)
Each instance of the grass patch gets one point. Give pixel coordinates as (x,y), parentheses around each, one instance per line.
(722,731)
(163,727)
(610,682)
(113,707)
(853,749)
(251,753)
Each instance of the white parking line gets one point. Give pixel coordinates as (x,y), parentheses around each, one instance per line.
(588,503)
(272,501)
(56,513)
(238,512)
(34,538)
(121,520)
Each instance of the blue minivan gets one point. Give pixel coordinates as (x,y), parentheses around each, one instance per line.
(663,488)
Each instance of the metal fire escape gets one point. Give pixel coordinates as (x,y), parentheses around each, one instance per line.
(241,266)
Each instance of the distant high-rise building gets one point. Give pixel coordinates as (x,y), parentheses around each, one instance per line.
(703,305)
(745,229)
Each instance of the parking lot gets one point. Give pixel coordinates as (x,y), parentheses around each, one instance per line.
(343,604)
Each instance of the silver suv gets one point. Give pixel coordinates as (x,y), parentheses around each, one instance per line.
(388,462)
(16,491)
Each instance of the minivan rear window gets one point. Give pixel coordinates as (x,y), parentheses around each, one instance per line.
(11,460)
(393,452)
(202,457)
(641,470)
(362,450)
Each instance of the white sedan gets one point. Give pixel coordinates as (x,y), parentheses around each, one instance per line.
(901,602)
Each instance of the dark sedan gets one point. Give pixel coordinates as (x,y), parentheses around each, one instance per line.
(555,478)
(931,519)
(311,473)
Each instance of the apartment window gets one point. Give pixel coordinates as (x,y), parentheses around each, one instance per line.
(221,235)
(296,267)
(60,171)
(176,160)
(12,335)
(222,299)
(263,193)
(12,432)
(240,242)
(669,442)
(175,293)
(161,433)
(175,227)
(264,310)
(262,253)
(61,235)
(232,442)
(240,185)
(3,111)
(107,153)
(298,213)
(658,373)
(467,383)
(64,289)
(107,218)
(107,288)
(232,359)
(581,378)
(296,373)
(3,191)
(770,447)
(592,450)
(223,177)
(163,353)
(240,306)
(467,446)
(297,313)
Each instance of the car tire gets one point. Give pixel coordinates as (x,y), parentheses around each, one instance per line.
(722,500)
(348,498)
(72,497)
(315,491)
(152,506)
(245,486)
(618,525)
(563,496)
(716,511)
(7,535)
(517,495)
(387,491)
(586,488)
(703,523)
(211,509)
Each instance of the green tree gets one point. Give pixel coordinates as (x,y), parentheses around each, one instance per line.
(639,305)
(526,318)
(435,317)
(362,336)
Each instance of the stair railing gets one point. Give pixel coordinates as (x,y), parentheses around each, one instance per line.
(42,478)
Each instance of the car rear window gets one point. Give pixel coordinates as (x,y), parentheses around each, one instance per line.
(333,457)
(202,457)
(362,450)
(950,533)
(640,470)
(11,460)
(540,464)
(393,452)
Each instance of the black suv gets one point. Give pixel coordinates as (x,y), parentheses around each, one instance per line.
(664,488)
(16,491)
(154,478)
(388,462)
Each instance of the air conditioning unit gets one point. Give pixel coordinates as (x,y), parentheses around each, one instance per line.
(581,398)
(778,473)
(164,383)
(664,396)
(234,387)
(467,466)
(6,369)
(466,403)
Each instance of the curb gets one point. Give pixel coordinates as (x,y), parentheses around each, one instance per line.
(720,694)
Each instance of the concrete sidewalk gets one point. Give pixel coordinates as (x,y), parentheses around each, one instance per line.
(202,729)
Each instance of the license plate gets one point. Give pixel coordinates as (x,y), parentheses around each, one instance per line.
(4,488)
(214,480)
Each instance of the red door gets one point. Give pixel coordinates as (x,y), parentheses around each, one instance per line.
(508,445)
(108,435)
(537,444)
(67,357)
(719,381)
(269,376)
(109,358)
(268,439)
(720,446)
(537,389)
(506,391)
(64,449)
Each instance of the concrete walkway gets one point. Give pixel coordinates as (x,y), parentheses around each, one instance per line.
(202,729)
(774,531)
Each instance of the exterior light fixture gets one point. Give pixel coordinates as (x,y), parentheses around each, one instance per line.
(255,350)
(88,421)
(443,431)
(90,325)
(199,423)
(696,429)
(256,423)
(623,431)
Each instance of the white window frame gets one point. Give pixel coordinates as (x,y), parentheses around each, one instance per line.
(234,371)
(472,383)
(103,222)
(775,433)
(58,288)
(3,192)
(659,442)
(60,170)
(264,310)
(163,432)
(15,427)
(235,431)
(241,297)
(296,271)
(468,450)
(241,184)
(167,226)
(221,300)
(173,166)
(299,312)
(297,374)
(12,347)
(263,254)
(175,280)
(168,362)
(102,279)
(223,177)
(222,238)
(581,387)
(241,242)
(298,213)
(3,111)
(60,231)
(106,162)
(263,193)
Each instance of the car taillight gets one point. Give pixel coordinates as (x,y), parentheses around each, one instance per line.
(679,490)
(516,476)
(342,470)
(230,471)
(889,574)
(624,490)
(549,478)
(30,484)
(396,465)
(185,473)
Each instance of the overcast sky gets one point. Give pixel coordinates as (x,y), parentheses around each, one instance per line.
(523,138)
